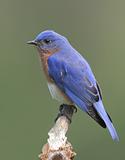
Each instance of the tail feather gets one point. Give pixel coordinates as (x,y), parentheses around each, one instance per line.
(102,117)
(100,109)
(94,114)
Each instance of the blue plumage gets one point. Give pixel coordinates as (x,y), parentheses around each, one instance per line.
(72,75)
(77,81)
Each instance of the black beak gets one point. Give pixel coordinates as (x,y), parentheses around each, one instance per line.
(32,42)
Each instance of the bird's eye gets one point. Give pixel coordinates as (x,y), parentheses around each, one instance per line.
(47,41)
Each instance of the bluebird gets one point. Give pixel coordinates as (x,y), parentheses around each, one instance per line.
(70,79)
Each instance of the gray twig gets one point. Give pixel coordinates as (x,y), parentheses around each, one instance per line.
(58,147)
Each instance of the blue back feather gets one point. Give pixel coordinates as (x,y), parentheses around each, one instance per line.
(69,73)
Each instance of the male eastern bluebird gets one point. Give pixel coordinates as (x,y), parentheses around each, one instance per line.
(70,79)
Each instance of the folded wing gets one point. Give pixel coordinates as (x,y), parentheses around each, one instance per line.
(80,86)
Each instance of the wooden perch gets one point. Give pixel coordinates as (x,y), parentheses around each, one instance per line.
(58,148)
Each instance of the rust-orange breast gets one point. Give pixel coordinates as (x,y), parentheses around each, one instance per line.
(51,84)
(44,61)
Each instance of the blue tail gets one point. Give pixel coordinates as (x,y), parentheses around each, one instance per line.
(100,109)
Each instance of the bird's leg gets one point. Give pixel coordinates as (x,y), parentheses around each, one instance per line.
(67,111)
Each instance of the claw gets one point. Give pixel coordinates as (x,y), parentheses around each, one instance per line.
(67,111)
(75,108)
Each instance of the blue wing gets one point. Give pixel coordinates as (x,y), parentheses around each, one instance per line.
(79,84)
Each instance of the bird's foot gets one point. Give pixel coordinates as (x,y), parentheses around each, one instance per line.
(67,111)
(75,108)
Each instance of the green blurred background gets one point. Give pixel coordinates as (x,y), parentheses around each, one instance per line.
(94,27)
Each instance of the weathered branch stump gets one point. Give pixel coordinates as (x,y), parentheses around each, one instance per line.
(58,147)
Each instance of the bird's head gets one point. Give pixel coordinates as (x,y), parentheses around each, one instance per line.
(49,41)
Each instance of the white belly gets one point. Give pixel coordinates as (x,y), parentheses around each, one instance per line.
(56,93)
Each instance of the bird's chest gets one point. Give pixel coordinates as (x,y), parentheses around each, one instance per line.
(44,62)
(57,94)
